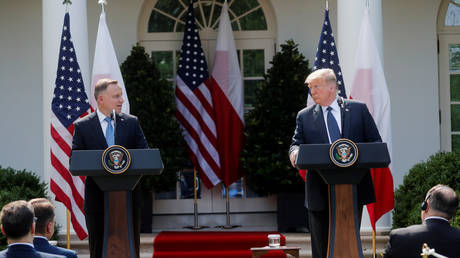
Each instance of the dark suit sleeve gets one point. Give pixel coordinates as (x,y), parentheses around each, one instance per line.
(77,141)
(141,142)
(371,133)
(388,249)
(298,137)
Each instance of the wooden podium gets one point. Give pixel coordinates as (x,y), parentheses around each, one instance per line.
(118,221)
(344,235)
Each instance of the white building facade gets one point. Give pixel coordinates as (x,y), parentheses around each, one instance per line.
(418,42)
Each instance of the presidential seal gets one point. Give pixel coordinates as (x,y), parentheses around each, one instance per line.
(116,159)
(343,152)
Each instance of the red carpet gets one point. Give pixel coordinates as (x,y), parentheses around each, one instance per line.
(212,244)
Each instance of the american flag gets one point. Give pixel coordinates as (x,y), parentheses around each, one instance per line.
(326,54)
(69,103)
(195,111)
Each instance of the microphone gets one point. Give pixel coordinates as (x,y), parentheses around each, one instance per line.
(114,118)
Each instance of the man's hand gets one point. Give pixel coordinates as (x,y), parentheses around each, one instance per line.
(293,157)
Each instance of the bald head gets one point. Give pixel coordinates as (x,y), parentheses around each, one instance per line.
(443,201)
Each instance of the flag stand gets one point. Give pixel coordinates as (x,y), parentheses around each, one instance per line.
(68,228)
(195,204)
(227,211)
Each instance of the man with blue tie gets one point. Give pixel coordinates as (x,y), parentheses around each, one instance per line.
(97,131)
(18,224)
(44,228)
(331,118)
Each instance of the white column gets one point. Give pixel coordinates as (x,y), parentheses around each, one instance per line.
(349,18)
(53,19)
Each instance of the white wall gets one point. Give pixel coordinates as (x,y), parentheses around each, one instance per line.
(21,127)
(411,70)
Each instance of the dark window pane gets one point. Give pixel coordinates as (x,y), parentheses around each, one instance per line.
(241,6)
(187,184)
(455,87)
(216,14)
(160,23)
(235,190)
(455,117)
(180,27)
(253,62)
(207,11)
(251,194)
(254,21)
(172,7)
(455,142)
(235,26)
(250,87)
(167,195)
(164,63)
(454,57)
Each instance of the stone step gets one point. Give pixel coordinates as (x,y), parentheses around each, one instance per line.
(301,240)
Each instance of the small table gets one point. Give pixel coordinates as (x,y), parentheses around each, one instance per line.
(258,251)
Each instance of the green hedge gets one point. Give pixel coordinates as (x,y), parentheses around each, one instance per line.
(441,168)
(19,185)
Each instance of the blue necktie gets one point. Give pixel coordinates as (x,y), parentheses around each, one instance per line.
(332,126)
(109,132)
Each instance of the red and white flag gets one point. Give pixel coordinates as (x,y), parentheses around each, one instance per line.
(105,64)
(69,103)
(227,96)
(370,87)
(195,110)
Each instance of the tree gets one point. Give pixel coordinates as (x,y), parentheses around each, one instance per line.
(151,98)
(270,125)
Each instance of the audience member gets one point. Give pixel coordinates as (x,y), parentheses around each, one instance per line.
(44,228)
(439,207)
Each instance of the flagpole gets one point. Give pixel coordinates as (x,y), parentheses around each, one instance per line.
(373,244)
(68,228)
(195,203)
(227,211)
(327,4)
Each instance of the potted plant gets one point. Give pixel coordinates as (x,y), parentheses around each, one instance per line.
(269,129)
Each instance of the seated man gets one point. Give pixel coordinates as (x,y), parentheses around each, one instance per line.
(44,228)
(439,207)
(19,227)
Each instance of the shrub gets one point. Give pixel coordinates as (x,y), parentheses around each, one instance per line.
(441,168)
(19,185)
(270,125)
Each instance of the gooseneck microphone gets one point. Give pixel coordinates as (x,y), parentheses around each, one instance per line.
(113,116)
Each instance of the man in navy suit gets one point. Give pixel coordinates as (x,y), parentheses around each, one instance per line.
(18,224)
(90,134)
(439,207)
(329,119)
(44,228)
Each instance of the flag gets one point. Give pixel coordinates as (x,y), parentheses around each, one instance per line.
(69,103)
(195,111)
(105,64)
(227,95)
(370,87)
(327,57)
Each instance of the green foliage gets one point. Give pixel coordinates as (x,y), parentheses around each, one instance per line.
(152,101)
(441,168)
(19,185)
(270,125)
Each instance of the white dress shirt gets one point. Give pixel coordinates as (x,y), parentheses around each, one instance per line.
(103,122)
(336,113)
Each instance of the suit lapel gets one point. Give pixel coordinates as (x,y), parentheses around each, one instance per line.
(120,120)
(98,130)
(318,122)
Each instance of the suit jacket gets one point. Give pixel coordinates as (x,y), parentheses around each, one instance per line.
(357,125)
(436,233)
(88,135)
(22,251)
(42,245)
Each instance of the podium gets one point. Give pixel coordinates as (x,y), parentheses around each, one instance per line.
(118,223)
(344,235)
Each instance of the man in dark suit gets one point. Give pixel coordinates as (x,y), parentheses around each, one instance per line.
(44,228)
(18,224)
(329,119)
(96,132)
(439,207)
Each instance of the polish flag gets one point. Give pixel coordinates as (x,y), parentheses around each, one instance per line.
(105,64)
(227,97)
(370,87)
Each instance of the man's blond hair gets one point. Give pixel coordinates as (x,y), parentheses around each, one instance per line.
(326,74)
